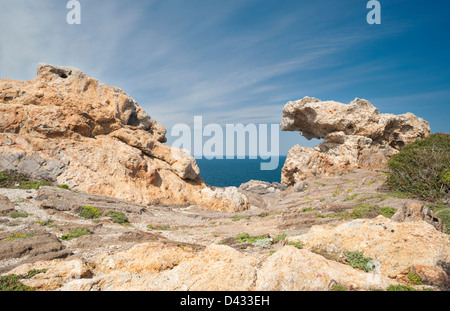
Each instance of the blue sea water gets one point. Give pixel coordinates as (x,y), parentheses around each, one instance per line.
(224,173)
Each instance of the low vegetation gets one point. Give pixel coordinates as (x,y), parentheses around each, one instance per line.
(422,168)
(295,244)
(11,283)
(18,215)
(14,180)
(117,217)
(90,212)
(159,227)
(76,233)
(358,261)
(18,236)
(246,238)
(238,217)
(338,288)
(362,211)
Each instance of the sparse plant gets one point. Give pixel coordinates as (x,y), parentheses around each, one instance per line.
(33,273)
(246,238)
(11,283)
(76,233)
(238,217)
(89,212)
(338,288)
(400,288)
(117,217)
(295,244)
(263,243)
(280,237)
(159,227)
(18,236)
(414,278)
(18,215)
(358,261)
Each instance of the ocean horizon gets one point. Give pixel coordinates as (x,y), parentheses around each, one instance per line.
(234,172)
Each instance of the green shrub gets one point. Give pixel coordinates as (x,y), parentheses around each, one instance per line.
(400,288)
(414,278)
(445,216)
(66,187)
(246,238)
(422,168)
(90,212)
(358,261)
(75,233)
(387,211)
(338,288)
(117,217)
(18,215)
(11,283)
(33,273)
(280,237)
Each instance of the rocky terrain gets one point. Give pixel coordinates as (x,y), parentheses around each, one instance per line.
(92,199)
(187,247)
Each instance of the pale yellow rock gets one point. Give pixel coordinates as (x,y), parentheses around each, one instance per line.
(398,247)
(292,269)
(67,127)
(58,273)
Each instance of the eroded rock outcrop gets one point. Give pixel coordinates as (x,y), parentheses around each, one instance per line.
(354,135)
(397,247)
(67,127)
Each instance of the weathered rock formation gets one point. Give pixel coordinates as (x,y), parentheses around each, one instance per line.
(67,127)
(354,135)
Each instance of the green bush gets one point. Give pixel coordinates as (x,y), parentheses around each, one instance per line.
(18,215)
(400,288)
(75,233)
(117,217)
(358,261)
(11,283)
(338,288)
(445,216)
(90,212)
(422,168)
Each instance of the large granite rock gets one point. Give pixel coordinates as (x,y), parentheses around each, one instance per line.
(67,127)
(397,247)
(354,136)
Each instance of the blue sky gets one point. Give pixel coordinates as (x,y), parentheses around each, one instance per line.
(241,61)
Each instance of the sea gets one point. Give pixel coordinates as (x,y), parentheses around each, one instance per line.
(234,172)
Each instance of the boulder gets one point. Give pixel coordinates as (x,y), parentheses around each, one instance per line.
(417,211)
(354,136)
(398,247)
(292,269)
(69,128)
(6,206)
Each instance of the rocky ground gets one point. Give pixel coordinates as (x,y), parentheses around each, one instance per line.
(34,222)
